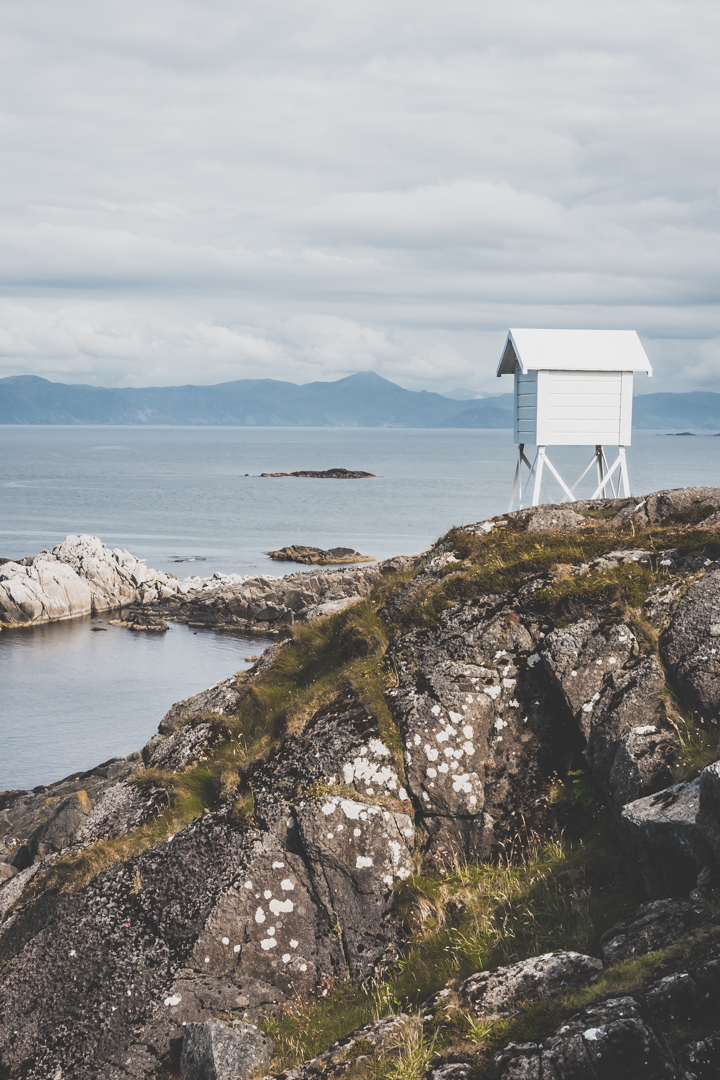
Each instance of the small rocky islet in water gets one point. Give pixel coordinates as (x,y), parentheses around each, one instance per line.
(482,802)
(328,474)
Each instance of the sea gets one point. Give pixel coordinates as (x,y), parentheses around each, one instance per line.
(192,501)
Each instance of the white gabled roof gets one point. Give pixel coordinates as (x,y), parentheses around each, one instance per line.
(573,350)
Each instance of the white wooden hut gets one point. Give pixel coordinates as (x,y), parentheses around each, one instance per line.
(572,388)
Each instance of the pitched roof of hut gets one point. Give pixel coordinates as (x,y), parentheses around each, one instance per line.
(573,350)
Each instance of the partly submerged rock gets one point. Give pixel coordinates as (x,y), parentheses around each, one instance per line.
(301,553)
(223,1050)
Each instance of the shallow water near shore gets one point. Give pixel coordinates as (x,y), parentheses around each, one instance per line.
(73,696)
(70,698)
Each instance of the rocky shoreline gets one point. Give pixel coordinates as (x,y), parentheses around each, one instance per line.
(298,829)
(82,576)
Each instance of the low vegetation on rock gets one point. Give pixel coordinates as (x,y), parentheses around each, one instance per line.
(465,827)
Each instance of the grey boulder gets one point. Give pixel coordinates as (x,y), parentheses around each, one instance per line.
(222,1050)
(607,1042)
(495,993)
(653,926)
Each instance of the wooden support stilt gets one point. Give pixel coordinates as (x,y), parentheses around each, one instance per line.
(611,478)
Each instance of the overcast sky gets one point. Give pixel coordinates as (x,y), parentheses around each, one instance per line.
(301,189)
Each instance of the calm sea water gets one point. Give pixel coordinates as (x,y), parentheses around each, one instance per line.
(70,698)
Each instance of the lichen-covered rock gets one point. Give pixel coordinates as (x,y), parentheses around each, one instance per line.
(481,728)
(675,997)
(689,505)
(57,813)
(691,646)
(606,1042)
(665,844)
(616,699)
(495,993)
(376,1039)
(186,746)
(221,698)
(653,926)
(223,1050)
(702,1058)
(222,918)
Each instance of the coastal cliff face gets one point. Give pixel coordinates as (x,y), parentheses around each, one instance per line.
(474,815)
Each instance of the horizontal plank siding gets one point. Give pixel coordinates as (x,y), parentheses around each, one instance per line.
(525,412)
(579,408)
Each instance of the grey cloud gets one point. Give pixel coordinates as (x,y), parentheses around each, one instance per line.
(196,192)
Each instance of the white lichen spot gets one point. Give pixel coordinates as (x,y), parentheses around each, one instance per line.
(293,944)
(443,736)
(236,948)
(472,800)
(468,732)
(226,941)
(432,754)
(509,683)
(456,717)
(501,652)
(73,953)
(612,660)
(645,729)
(363,861)
(173,1000)
(593,1034)
(276,906)
(417,740)
(469,699)
(443,768)
(426,797)
(328,807)
(286,958)
(248,884)
(287,885)
(460,782)
(330,835)
(574,674)
(435,710)
(278,866)
(303,967)
(357,832)
(268,943)
(432,773)
(271,931)
(492,691)
(207,961)
(351,809)
(500,724)
(267,894)
(449,752)
(532,660)
(469,748)
(403,795)
(259,915)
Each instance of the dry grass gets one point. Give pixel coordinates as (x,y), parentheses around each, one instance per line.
(543,896)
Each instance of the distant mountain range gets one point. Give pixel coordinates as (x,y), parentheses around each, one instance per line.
(363,400)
